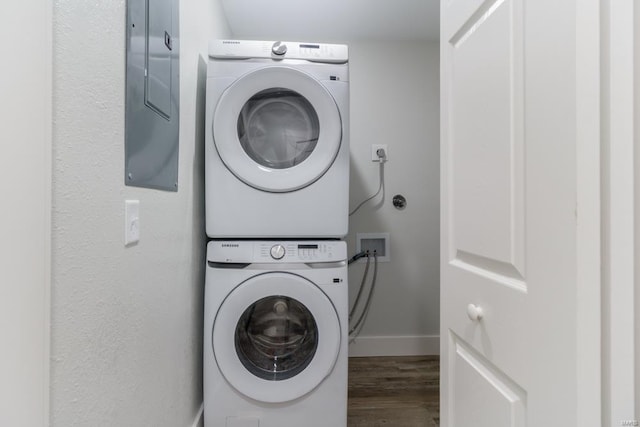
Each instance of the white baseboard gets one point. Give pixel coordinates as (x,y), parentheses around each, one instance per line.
(418,345)
(198,421)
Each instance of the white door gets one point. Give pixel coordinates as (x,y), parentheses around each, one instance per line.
(511,260)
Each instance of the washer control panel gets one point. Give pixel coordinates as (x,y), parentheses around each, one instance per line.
(242,251)
(299,251)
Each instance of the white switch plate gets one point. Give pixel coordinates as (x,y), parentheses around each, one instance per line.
(374,152)
(131,222)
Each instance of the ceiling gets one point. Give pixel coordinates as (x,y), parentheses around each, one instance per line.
(334,20)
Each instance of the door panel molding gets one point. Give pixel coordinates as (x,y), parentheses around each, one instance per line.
(500,272)
(490,386)
(485,57)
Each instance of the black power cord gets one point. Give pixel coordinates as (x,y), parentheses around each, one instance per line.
(358,256)
(355,330)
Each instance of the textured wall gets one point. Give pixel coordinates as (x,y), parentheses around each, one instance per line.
(395,101)
(126,322)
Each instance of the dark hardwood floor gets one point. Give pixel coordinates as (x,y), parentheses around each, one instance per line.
(394,391)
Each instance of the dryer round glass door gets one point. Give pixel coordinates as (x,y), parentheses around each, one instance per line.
(277,129)
(276,337)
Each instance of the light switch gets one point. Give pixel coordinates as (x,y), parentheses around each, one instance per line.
(131,222)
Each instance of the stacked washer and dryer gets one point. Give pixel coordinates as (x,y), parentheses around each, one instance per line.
(277,179)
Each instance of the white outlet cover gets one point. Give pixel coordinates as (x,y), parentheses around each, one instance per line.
(131,222)
(374,152)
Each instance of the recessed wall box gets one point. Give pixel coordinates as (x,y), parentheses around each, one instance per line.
(378,242)
(152,94)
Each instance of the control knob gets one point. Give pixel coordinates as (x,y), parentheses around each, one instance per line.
(279,48)
(277,251)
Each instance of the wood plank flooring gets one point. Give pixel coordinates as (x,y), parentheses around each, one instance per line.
(394,391)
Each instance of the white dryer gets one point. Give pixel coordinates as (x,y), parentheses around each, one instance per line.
(275,334)
(277,140)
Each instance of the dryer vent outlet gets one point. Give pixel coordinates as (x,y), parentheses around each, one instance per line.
(378,242)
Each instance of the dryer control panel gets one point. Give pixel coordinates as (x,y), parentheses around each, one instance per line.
(273,251)
(245,49)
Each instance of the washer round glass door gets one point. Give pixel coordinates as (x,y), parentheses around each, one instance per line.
(276,337)
(277,129)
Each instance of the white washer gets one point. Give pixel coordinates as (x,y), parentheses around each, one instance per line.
(275,334)
(277,141)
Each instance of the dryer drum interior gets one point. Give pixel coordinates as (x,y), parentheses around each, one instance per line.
(276,338)
(278,128)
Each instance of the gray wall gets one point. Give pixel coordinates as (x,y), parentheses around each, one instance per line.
(126,322)
(25,225)
(636,45)
(395,101)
